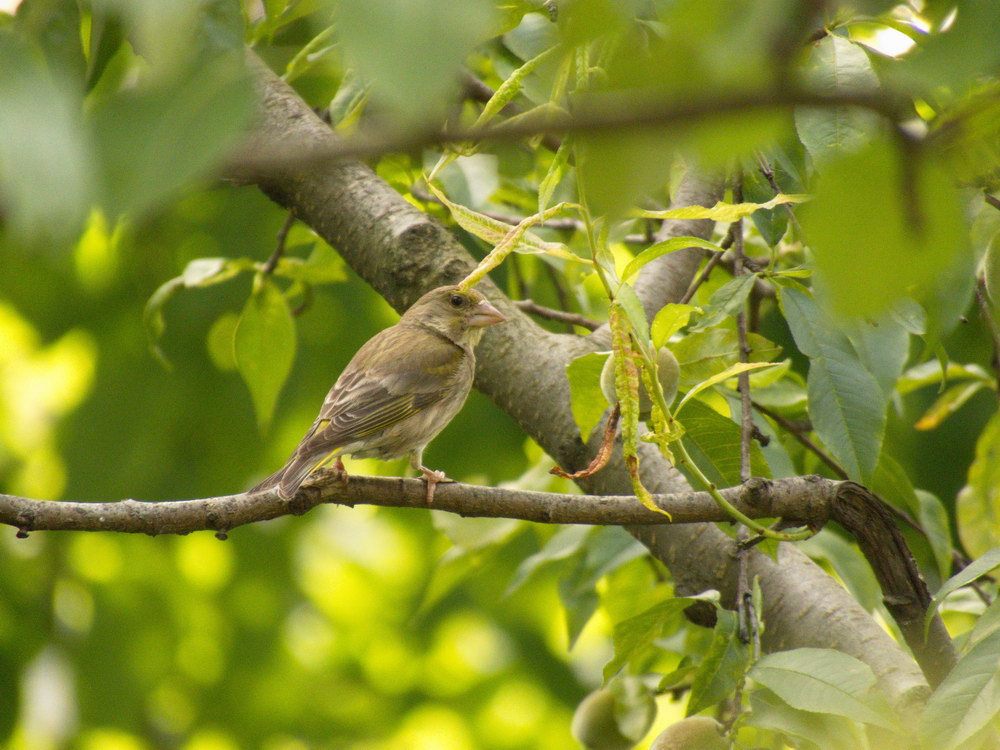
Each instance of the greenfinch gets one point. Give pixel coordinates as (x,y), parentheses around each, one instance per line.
(398,392)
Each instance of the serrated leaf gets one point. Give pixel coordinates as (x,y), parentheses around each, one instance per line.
(264,346)
(978,504)
(725,212)
(714,444)
(722,667)
(586,400)
(660,249)
(669,320)
(824,681)
(967,700)
(845,401)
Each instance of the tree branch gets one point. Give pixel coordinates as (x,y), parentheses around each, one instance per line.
(800,500)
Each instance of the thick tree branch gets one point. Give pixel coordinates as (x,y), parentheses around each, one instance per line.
(402,252)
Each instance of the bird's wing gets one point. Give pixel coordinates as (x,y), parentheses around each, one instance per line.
(396,374)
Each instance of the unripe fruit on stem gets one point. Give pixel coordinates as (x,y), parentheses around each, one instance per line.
(670,375)
(594,723)
(692,733)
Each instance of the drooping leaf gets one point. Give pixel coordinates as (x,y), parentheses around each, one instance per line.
(264,346)
(714,444)
(722,667)
(845,401)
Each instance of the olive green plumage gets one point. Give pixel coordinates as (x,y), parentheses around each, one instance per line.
(399,391)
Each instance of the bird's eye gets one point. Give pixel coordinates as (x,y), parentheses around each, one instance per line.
(456,300)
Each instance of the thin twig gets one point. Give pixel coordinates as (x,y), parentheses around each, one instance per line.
(548,313)
(279,248)
(992,200)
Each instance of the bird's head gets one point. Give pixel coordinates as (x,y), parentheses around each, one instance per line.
(459,314)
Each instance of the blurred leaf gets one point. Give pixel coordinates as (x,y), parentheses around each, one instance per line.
(314,50)
(845,402)
(726,301)
(557,170)
(476,533)
(930,373)
(837,66)
(219,341)
(883,346)
(324,266)
(662,248)
(772,223)
(891,483)
(967,700)
(724,212)
(948,403)
(55,24)
(635,707)
(410,50)
(636,634)
(264,346)
(825,681)
(154,139)
(45,179)
(604,551)
(714,443)
(933,517)
(849,565)
(900,203)
(586,400)
(978,504)
(703,354)
(722,667)
(669,320)
(562,545)
(152,316)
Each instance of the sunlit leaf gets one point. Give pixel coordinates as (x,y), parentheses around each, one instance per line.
(659,249)
(264,345)
(586,400)
(668,321)
(724,212)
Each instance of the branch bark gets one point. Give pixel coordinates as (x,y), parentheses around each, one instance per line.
(402,252)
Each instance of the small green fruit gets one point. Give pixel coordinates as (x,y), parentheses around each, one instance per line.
(692,733)
(670,375)
(594,724)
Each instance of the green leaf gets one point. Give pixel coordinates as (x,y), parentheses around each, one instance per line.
(264,346)
(724,212)
(891,482)
(837,66)
(967,700)
(313,51)
(874,245)
(730,372)
(633,636)
(978,504)
(324,266)
(152,316)
(219,341)
(823,730)
(949,402)
(662,248)
(726,301)
(562,545)
(557,170)
(669,320)
(988,561)
(824,681)
(714,443)
(586,400)
(703,354)
(410,50)
(883,346)
(722,667)
(934,518)
(931,373)
(845,401)
(632,305)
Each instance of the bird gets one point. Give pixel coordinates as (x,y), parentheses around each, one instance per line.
(401,388)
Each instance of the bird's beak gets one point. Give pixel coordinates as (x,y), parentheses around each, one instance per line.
(484,314)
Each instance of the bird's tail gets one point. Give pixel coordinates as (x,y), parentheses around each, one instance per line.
(290,477)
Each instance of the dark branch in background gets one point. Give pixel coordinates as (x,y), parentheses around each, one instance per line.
(612,113)
(481,92)
(799,433)
(548,313)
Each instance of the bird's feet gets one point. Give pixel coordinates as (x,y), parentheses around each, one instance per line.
(433,479)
